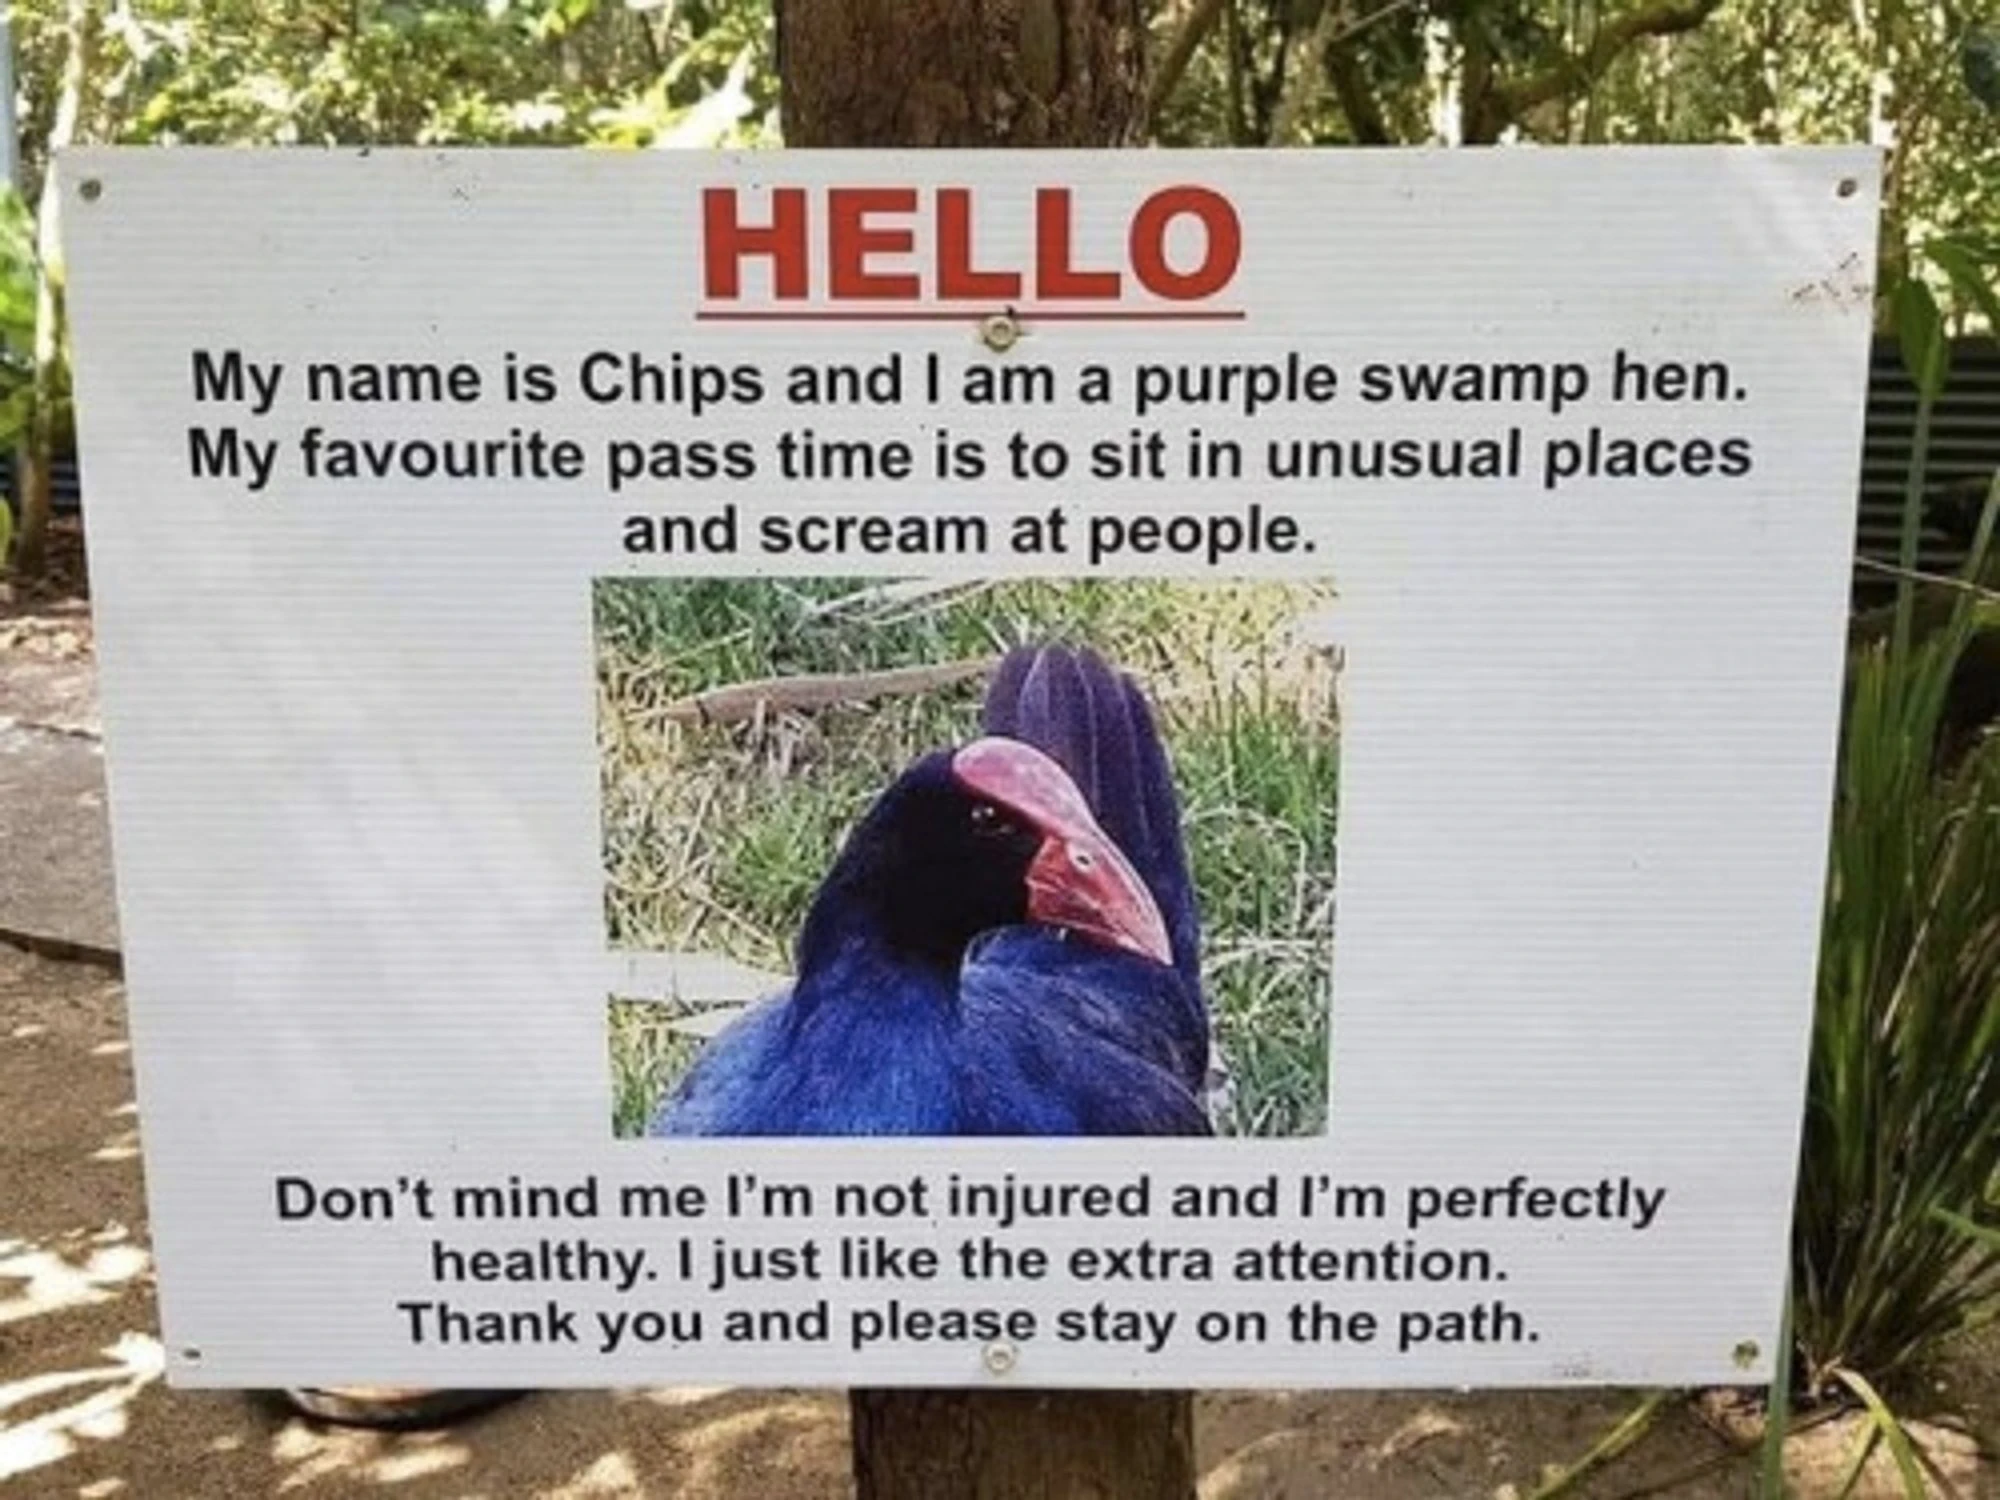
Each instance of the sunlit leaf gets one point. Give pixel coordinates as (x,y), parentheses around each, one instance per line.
(709,121)
(1892,1432)
(1985,1234)
(1969,278)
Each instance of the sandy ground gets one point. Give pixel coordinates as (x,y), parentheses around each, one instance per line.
(84,1414)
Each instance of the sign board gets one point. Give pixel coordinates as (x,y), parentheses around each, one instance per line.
(1045,769)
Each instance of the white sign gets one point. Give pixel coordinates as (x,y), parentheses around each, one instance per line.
(737,768)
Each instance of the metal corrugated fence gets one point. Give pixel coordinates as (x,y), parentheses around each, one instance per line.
(66,491)
(1964,453)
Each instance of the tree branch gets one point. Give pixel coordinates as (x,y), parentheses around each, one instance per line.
(1365,120)
(1510,101)
(1235,63)
(1268,91)
(1321,54)
(1180,52)
(807,693)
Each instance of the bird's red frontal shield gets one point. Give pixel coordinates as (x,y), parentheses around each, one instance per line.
(1079,880)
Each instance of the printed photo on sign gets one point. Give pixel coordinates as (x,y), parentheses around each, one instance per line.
(993,858)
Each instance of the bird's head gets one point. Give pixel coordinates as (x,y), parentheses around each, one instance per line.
(991,835)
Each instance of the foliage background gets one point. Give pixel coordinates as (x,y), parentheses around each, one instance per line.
(1919,77)
(389,72)
(716,836)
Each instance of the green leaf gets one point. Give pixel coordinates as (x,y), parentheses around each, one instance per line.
(1778,1409)
(1892,1432)
(1920,334)
(6,529)
(1630,1428)
(1968,278)
(1982,534)
(17,409)
(1985,1234)
(1863,1451)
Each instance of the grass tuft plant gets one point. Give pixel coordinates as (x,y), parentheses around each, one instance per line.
(1893,1248)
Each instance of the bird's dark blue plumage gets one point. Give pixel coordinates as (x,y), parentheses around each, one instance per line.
(931,1000)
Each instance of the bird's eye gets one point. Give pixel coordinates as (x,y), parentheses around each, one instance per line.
(1082,859)
(990,820)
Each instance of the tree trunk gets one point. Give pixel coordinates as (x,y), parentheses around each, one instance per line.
(1012,1445)
(961,72)
(903,73)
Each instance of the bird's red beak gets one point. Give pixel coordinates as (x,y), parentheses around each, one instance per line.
(1079,879)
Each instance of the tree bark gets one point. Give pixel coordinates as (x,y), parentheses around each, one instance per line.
(1013,1445)
(961,72)
(1180,52)
(904,73)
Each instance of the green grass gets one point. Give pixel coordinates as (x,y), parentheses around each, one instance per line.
(648,1055)
(716,836)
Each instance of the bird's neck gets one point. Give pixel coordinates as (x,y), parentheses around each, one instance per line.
(842,953)
(891,931)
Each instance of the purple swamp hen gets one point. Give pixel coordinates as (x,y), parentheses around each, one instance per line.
(1007,943)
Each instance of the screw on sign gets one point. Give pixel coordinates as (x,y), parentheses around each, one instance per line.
(1001,331)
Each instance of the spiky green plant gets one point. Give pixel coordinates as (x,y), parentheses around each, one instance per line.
(1902,1134)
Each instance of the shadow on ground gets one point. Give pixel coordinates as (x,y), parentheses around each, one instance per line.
(83,1411)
